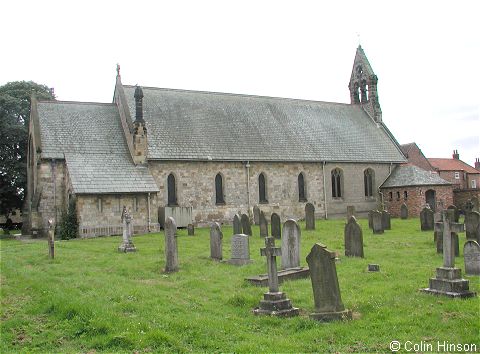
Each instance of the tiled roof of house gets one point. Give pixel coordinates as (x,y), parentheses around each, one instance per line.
(406,148)
(451,165)
(195,125)
(407,175)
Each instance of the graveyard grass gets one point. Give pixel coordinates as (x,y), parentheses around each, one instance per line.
(93,299)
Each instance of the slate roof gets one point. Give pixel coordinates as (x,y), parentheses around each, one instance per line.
(195,125)
(451,165)
(409,175)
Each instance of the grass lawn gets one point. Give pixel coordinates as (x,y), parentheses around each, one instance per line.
(93,299)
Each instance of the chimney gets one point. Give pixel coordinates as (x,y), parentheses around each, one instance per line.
(138,104)
(477,163)
(455,155)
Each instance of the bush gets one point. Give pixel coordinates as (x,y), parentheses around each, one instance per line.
(69,223)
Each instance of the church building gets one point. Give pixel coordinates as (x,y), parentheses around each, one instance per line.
(204,156)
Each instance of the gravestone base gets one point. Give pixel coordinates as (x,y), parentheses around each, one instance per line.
(331,316)
(276,304)
(239,262)
(127,247)
(283,275)
(449,282)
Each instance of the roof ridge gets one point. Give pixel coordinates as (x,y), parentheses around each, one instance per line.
(77,102)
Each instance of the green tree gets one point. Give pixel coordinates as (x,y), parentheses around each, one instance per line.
(69,222)
(14,119)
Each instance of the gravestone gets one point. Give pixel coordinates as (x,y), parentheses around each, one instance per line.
(448,280)
(246,227)
(263,225)
(370,219)
(403,211)
(350,211)
(171,250)
(290,244)
(456,213)
(386,220)
(309,216)
(353,238)
(191,230)
(237,224)
(475,204)
(377,224)
(326,291)
(216,241)
(471,255)
(256,215)
(127,244)
(472,225)
(426,219)
(373,267)
(438,235)
(276,226)
(468,206)
(274,303)
(51,239)
(240,250)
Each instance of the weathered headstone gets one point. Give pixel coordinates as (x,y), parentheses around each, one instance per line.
(475,203)
(471,255)
(127,243)
(426,219)
(51,239)
(276,226)
(237,224)
(472,225)
(386,220)
(171,250)
(263,225)
(246,227)
(403,211)
(256,215)
(373,267)
(350,211)
(377,224)
(290,244)
(309,216)
(216,241)
(370,219)
(274,303)
(191,230)
(326,291)
(240,250)
(353,238)
(456,213)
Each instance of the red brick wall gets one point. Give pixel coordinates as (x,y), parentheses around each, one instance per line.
(449,176)
(460,197)
(416,157)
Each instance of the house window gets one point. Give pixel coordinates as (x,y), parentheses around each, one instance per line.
(368,182)
(171,190)
(262,189)
(301,188)
(219,199)
(474,183)
(405,195)
(337,183)
(457,175)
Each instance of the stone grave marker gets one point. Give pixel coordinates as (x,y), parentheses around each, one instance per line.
(256,215)
(171,250)
(127,243)
(353,238)
(377,224)
(309,216)
(403,211)
(370,219)
(263,225)
(216,242)
(237,224)
(191,230)
(471,255)
(426,219)
(276,226)
(386,220)
(472,225)
(51,239)
(240,250)
(290,244)
(350,211)
(475,204)
(326,291)
(275,302)
(246,227)
(373,267)
(456,214)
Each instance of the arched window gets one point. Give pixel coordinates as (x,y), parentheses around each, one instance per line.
(302,195)
(336,183)
(390,196)
(405,195)
(368,178)
(171,190)
(262,189)
(219,189)
(398,195)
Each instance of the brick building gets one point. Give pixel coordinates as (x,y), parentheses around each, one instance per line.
(460,174)
(207,155)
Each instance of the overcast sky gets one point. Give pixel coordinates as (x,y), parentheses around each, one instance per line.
(426,54)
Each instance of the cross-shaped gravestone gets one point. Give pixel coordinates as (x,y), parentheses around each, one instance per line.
(447,227)
(271,252)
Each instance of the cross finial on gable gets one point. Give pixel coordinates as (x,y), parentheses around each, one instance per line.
(118,69)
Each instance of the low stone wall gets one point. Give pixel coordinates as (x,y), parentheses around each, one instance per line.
(110,230)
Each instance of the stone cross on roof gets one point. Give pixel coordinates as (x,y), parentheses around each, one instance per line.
(447,227)
(270,251)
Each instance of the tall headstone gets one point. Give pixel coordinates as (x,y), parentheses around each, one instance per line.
(353,238)
(309,216)
(171,250)
(237,224)
(216,241)
(290,244)
(377,224)
(403,211)
(191,230)
(240,250)
(263,225)
(51,239)
(274,303)
(456,213)
(256,215)
(386,220)
(246,227)
(426,219)
(276,226)
(127,243)
(370,219)
(472,225)
(350,211)
(475,204)
(326,291)
(471,255)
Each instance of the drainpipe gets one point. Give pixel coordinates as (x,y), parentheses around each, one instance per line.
(325,190)
(54,191)
(247,167)
(382,197)
(148,211)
